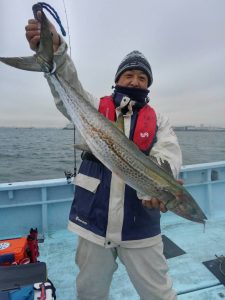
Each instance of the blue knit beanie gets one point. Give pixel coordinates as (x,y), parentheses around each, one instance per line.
(135,60)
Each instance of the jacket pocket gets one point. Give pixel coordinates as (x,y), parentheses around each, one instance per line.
(84,204)
(86,182)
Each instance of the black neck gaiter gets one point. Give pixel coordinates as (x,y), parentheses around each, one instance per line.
(136,94)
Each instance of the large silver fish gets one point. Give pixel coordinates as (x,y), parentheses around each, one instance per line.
(107,142)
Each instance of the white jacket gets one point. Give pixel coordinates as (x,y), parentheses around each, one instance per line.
(166,148)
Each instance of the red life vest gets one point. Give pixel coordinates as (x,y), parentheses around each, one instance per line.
(146,125)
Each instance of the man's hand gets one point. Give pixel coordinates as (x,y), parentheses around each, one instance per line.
(33,31)
(156,203)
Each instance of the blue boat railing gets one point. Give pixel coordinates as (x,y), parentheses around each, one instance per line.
(45,204)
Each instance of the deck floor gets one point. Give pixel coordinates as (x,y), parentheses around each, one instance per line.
(191,279)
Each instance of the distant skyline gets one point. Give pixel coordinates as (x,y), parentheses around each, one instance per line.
(184,41)
(67,124)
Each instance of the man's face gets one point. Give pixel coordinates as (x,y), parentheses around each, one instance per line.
(133,78)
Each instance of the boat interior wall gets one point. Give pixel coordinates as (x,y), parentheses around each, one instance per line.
(45,204)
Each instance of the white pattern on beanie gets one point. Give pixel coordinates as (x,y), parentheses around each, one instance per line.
(135,60)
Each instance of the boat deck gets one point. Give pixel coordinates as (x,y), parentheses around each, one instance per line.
(191,279)
(45,204)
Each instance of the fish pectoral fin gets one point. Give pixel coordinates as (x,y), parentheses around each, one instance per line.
(28,63)
(163,164)
(168,201)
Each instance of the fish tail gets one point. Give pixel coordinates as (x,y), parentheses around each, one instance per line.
(42,61)
(24,63)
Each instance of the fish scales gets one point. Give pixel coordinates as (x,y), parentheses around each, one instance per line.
(111,146)
(108,143)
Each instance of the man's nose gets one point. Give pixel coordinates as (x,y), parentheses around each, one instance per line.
(134,82)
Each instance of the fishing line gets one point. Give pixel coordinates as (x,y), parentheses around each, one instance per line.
(74,128)
(68,28)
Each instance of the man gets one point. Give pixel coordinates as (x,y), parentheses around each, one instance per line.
(108,215)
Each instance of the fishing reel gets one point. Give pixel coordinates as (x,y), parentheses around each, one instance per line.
(69,176)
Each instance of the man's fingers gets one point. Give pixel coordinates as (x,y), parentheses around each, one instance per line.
(33,32)
(147,203)
(180,181)
(163,208)
(33,27)
(155,203)
(152,203)
(32,21)
(34,42)
(30,35)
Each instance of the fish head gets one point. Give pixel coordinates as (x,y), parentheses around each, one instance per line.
(186,206)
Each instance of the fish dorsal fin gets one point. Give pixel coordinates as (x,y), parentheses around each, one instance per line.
(163,164)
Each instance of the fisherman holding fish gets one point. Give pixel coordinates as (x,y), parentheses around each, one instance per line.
(111,218)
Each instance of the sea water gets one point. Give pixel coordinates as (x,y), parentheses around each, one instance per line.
(43,153)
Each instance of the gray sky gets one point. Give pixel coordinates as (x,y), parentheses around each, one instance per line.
(184,41)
